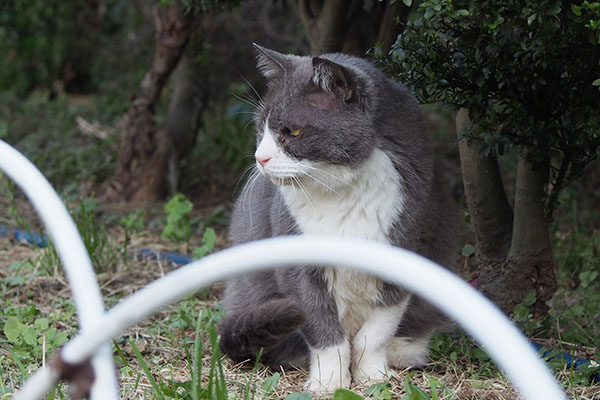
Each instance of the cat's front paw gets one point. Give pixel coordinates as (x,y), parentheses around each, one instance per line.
(371,369)
(329,369)
(323,387)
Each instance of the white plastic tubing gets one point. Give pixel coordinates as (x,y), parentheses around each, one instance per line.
(497,335)
(73,255)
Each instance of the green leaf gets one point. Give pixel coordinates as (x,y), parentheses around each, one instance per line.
(30,336)
(60,339)
(269,385)
(530,298)
(596,82)
(555,9)
(13,329)
(414,392)
(209,239)
(178,205)
(587,277)
(407,3)
(479,354)
(468,250)
(42,324)
(380,391)
(345,394)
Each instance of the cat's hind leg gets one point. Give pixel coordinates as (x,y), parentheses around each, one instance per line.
(410,347)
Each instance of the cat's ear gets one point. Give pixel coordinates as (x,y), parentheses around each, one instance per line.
(270,63)
(333,78)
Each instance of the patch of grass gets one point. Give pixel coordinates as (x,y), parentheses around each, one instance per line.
(29,336)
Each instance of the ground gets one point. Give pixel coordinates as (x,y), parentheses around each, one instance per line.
(166,340)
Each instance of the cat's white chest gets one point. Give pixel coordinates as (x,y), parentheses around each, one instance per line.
(361,203)
(337,200)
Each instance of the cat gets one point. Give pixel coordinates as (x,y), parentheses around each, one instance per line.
(341,150)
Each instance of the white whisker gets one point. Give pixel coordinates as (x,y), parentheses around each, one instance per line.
(248,169)
(329,174)
(248,192)
(258,96)
(303,190)
(322,183)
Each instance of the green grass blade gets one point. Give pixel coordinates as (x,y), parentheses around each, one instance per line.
(197,361)
(144,366)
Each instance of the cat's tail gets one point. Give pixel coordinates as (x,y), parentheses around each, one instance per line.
(245,333)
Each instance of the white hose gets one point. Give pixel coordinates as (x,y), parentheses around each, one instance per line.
(72,252)
(487,324)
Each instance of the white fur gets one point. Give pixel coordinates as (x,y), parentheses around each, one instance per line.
(404,352)
(329,368)
(369,346)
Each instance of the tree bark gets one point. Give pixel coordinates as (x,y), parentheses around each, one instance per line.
(325,23)
(335,25)
(144,149)
(184,116)
(490,212)
(514,252)
(529,263)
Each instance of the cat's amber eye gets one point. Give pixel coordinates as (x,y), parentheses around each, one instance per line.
(295,132)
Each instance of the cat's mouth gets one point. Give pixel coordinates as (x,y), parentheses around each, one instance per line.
(278,178)
(285,181)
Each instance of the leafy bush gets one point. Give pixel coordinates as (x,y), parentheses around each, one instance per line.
(526,70)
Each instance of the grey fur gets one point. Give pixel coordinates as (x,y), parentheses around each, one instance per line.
(346,108)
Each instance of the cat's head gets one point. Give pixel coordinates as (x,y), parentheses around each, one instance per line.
(316,115)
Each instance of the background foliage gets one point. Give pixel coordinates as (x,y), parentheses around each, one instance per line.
(526,70)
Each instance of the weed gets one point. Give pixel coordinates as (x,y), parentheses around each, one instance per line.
(523,317)
(135,221)
(29,335)
(178,227)
(208,243)
(380,391)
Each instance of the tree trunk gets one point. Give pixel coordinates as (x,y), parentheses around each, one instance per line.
(325,23)
(144,149)
(529,263)
(345,25)
(184,117)
(490,212)
(514,253)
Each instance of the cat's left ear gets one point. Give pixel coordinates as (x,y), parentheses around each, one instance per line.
(333,78)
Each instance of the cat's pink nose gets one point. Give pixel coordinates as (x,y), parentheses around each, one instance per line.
(262,160)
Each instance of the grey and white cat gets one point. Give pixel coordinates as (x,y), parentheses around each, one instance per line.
(341,150)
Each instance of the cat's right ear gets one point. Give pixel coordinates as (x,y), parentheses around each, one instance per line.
(270,63)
